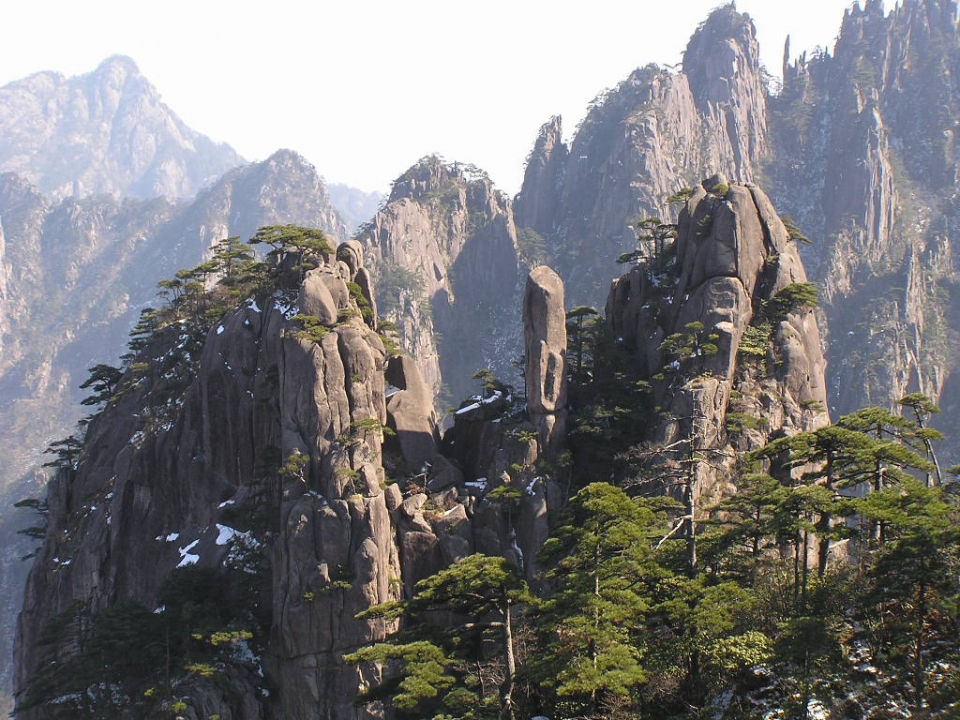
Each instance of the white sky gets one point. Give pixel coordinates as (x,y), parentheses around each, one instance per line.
(363,88)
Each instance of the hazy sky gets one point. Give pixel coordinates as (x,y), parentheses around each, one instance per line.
(364,88)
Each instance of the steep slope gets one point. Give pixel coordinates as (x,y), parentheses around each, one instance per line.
(863,155)
(721,332)
(244,470)
(77,274)
(654,133)
(250,451)
(104,132)
(444,252)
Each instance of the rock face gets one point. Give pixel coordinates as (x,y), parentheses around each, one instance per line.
(74,276)
(262,417)
(444,252)
(156,479)
(731,361)
(104,132)
(864,141)
(545,335)
(653,134)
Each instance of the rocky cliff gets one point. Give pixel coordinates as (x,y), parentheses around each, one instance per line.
(104,132)
(255,452)
(723,331)
(444,252)
(656,132)
(863,157)
(75,275)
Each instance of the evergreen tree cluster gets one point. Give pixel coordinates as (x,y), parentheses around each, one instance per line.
(830,581)
(827,584)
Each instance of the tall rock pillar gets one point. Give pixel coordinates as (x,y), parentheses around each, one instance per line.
(545,340)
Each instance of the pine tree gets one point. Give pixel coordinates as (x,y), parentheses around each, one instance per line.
(483,594)
(913,573)
(604,569)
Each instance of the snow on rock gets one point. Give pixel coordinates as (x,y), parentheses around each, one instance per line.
(188,558)
(226,534)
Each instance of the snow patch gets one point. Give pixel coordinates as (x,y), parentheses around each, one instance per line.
(478,484)
(226,534)
(188,558)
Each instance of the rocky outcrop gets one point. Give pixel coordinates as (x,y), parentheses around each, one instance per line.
(545,335)
(732,360)
(104,132)
(654,133)
(272,419)
(79,271)
(259,452)
(443,250)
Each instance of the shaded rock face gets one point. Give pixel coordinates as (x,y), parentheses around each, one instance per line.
(733,257)
(545,334)
(76,273)
(74,276)
(155,478)
(865,160)
(653,134)
(104,132)
(443,250)
(263,417)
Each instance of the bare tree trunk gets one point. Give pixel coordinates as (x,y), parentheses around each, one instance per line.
(510,665)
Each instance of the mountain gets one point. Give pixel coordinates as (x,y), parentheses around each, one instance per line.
(78,272)
(656,132)
(355,206)
(263,487)
(106,132)
(863,157)
(269,475)
(445,254)
(857,148)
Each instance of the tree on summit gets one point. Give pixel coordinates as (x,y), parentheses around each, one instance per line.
(294,240)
